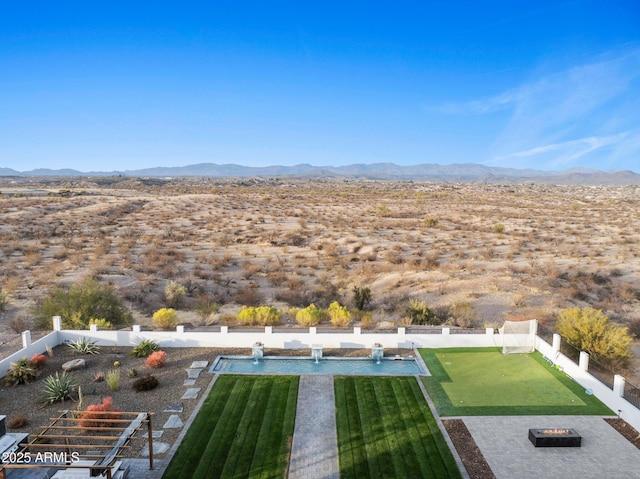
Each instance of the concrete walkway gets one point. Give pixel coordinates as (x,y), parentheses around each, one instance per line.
(504,442)
(314,452)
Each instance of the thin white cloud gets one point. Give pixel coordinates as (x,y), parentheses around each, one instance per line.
(563,154)
(563,118)
(482,106)
(566,117)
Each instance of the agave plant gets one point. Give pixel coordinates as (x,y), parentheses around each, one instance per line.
(58,387)
(145,348)
(85,346)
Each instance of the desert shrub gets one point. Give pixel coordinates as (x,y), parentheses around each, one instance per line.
(174,292)
(590,330)
(361,297)
(268,315)
(228,319)
(4,300)
(84,346)
(17,422)
(323,293)
(102,323)
(19,324)
(80,303)
(205,308)
(98,377)
(112,379)
(38,361)
(367,321)
(442,312)
(430,222)
(463,315)
(248,295)
(132,373)
(294,296)
(165,318)
(634,327)
(309,316)
(58,387)
(144,348)
(498,228)
(404,321)
(419,313)
(22,372)
(156,359)
(263,315)
(339,315)
(247,315)
(100,415)
(145,383)
(383,211)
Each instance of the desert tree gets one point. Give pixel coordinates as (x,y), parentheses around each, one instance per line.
(81,303)
(590,330)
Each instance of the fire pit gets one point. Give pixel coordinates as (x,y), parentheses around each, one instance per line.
(555,437)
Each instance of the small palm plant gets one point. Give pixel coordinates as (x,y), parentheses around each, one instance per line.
(22,371)
(58,387)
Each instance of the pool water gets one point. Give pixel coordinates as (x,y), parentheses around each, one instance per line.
(303,365)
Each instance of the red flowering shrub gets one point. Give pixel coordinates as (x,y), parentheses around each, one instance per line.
(38,361)
(156,359)
(99,415)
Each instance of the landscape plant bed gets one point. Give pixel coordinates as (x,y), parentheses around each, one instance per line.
(386,429)
(27,399)
(485,382)
(469,452)
(625,429)
(243,429)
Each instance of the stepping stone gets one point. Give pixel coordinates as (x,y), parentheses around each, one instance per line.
(157,434)
(74,364)
(191,393)
(158,448)
(179,407)
(199,364)
(189,382)
(174,422)
(193,373)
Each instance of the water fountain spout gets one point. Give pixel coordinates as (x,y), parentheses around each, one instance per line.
(377,352)
(316,352)
(257,352)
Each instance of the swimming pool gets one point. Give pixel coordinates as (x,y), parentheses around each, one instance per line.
(326,365)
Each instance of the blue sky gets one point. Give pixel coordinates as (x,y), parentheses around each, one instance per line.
(127,85)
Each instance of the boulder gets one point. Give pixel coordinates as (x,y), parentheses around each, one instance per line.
(74,364)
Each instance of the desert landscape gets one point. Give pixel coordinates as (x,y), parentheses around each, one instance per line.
(476,254)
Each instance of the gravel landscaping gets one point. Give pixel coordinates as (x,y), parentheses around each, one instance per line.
(26,399)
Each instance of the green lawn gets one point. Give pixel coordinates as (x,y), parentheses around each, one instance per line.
(243,430)
(385,429)
(485,382)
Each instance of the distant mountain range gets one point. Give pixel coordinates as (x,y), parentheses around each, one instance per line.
(467,172)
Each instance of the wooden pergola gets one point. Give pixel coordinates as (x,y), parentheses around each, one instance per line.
(84,447)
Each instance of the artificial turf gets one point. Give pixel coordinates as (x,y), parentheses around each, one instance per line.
(385,429)
(485,382)
(243,430)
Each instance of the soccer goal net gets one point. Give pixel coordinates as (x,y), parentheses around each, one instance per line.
(519,336)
